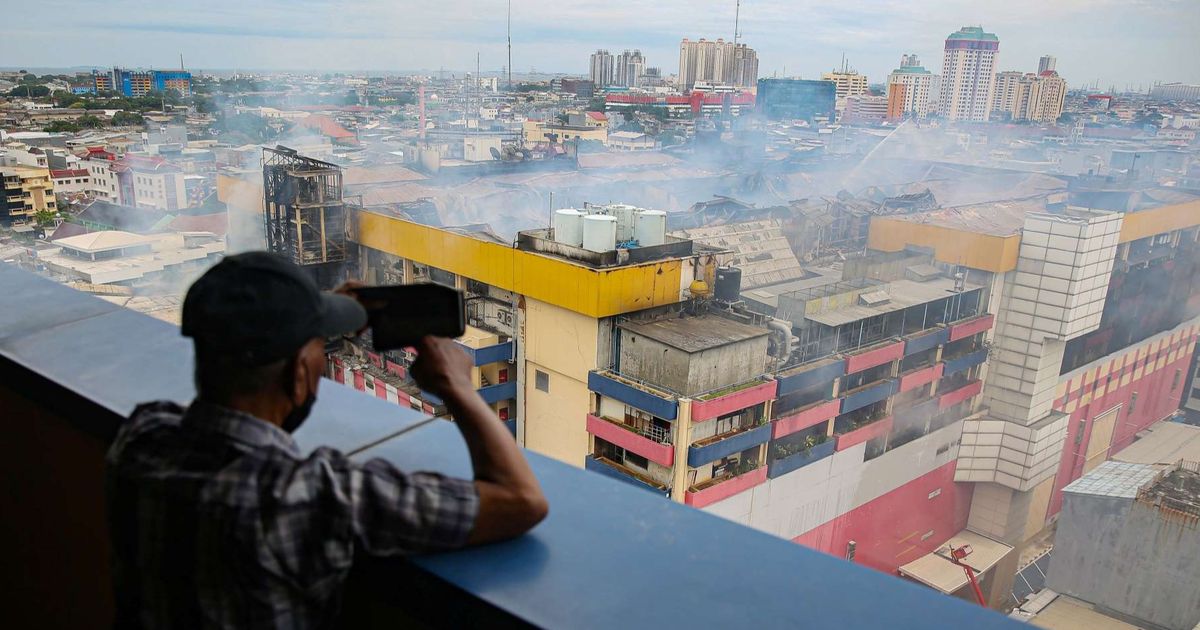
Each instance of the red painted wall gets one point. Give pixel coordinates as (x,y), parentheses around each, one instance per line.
(888,530)
(1156,400)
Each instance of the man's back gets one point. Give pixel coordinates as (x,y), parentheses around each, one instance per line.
(218,520)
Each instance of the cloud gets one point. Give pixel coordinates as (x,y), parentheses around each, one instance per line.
(1113,41)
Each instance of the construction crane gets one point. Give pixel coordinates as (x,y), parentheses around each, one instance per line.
(956,555)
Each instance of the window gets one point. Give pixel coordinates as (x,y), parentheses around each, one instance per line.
(633,459)
(541,381)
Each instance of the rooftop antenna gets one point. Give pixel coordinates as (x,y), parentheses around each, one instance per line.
(510,45)
(737,14)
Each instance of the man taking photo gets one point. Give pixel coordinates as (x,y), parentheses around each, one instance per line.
(218,520)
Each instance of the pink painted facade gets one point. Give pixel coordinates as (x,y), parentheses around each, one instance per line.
(916,378)
(900,526)
(659,453)
(735,401)
(965,392)
(806,417)
(863,434)
(971,327)
(726,489)
(872,358)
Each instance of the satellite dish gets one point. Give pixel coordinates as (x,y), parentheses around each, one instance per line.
(494,152)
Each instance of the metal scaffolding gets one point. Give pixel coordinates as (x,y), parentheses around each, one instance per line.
(303,213)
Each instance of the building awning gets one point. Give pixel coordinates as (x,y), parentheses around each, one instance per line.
(935,571)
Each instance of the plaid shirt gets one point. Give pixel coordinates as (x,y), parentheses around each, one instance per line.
(217,520)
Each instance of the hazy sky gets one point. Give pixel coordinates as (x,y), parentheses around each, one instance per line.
(1114,41)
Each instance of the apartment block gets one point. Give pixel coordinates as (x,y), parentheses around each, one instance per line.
(24,192)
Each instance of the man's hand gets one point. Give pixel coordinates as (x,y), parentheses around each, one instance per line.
(347,289)
(442,368)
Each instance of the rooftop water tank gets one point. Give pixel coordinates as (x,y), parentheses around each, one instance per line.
(728,285)
(650,227)
(568,227)
(599,233)
(624,214)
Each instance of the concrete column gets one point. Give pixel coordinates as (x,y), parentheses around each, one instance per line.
(683,439)
(407,266)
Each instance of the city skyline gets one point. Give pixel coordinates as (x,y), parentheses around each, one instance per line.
(1107,41)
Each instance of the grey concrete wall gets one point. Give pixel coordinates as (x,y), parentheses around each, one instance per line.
(1126,557)
(653,362)
(727,365)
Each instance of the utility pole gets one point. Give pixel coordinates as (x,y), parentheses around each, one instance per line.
(510,45)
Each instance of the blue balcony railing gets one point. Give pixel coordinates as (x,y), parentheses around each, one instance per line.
(804,377)
(781,466)
(74,365)
(596,465)
(658,404)
(499,391)
(857,399)
(490,354)
(924,341)
(966,361)
(736,443)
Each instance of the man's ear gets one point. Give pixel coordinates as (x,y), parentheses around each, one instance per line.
(306,371)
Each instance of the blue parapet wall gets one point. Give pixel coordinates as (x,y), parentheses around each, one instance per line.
(868,395)
(667,409)
(796,461)
(500,391)
(698,456)
(964,362)
(808,379)
(921,343)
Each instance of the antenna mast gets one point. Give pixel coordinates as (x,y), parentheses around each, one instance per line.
(510,45)
(737,14)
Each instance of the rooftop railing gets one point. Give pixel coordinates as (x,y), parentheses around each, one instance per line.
(74,365)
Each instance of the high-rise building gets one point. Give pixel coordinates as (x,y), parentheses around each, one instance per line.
(865,109)
(1010,87)
(24,192)
(848,82)
(796,99)
(142,82)
(1046,63)
(919,96)
(602,69)
(716,62)
(896,93)
(1027,96)
(968,70)
(630,67)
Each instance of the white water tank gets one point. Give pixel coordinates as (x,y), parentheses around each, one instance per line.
(599,233)
(650,227)
(568,227)
(624,214)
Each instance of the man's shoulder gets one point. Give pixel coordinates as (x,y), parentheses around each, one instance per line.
(147,419)
(156,410)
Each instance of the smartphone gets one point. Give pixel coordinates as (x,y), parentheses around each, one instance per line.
(400,315)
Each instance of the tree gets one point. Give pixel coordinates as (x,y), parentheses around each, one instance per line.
(30,90)
(88,121)
(124,119)
(45,218)
(61,126)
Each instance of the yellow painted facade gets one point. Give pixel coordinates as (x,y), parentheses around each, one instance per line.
(565,347)
(535,131)
(1100,440)
(1039,505)
(1142,224)
(950,245)
(573,286)
(27,190)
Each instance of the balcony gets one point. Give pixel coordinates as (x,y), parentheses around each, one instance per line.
(76,365)
(731,399)
(726,444)
(781,466)
(864,432)
(500,391)
(490,354)
(713,490)
(604,466)
(867,395)
(971,326)
(805,417)
(624,436)
(639,395)
(873,355)
(810,375)
(918,377)
(964,361)
(966,392)
(923,341)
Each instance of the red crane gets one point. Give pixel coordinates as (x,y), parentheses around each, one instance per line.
(956,556)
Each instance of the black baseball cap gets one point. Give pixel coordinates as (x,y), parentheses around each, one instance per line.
(258,307)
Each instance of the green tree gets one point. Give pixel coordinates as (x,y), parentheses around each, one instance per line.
(61,126)
(124,119)
(45,218)
(30,90)
(88,121)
